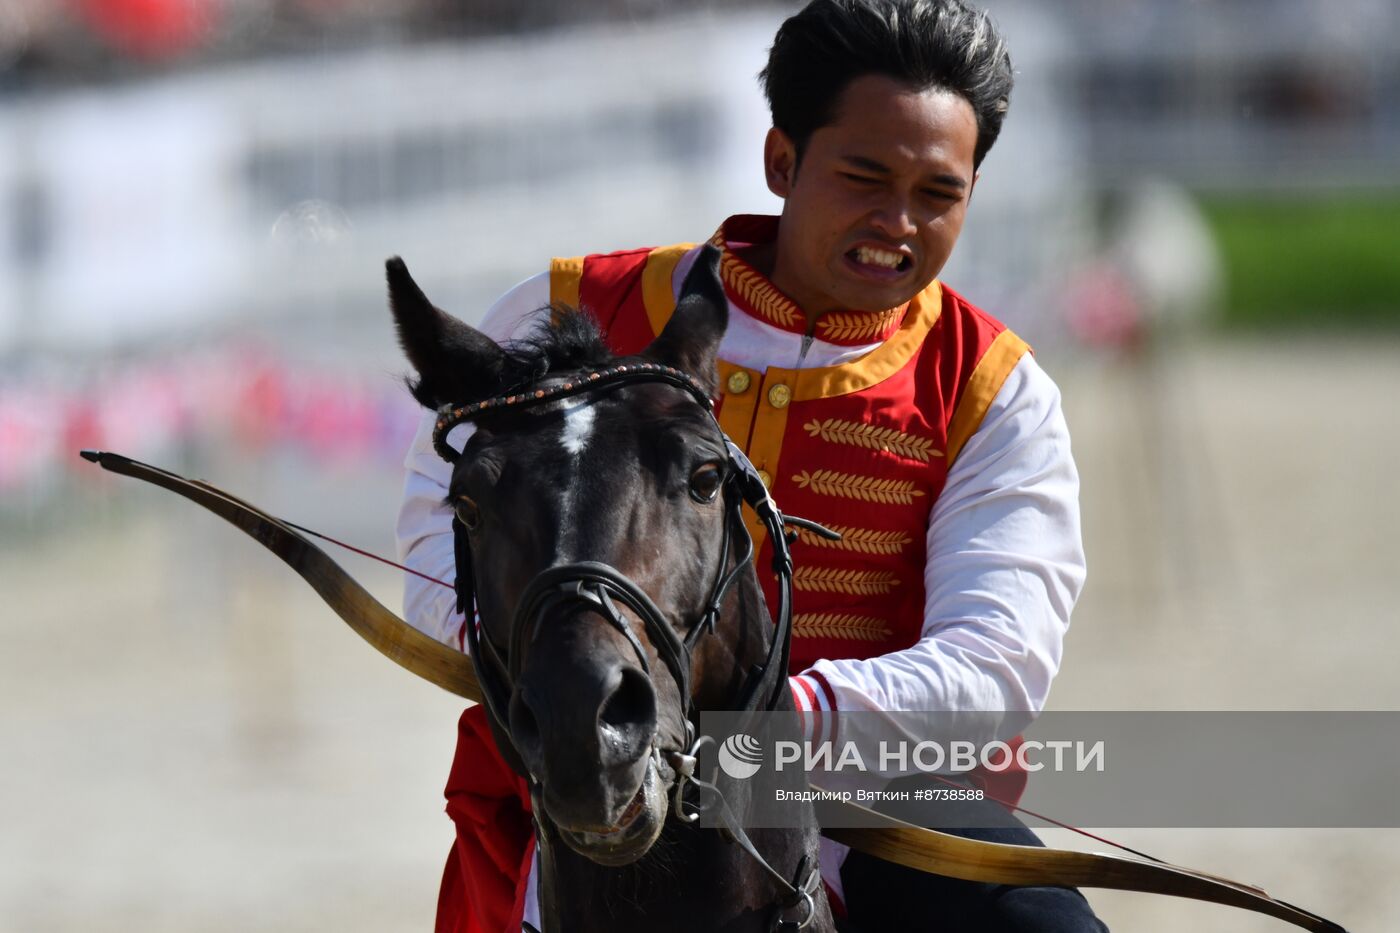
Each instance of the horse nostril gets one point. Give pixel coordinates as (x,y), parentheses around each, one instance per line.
(630,710)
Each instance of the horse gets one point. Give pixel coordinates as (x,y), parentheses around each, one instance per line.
(579,453)
(600,541)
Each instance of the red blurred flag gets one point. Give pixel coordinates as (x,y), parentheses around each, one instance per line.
(151,28)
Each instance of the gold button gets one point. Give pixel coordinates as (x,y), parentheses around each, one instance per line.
(767,480)
(779,396)
(738,382)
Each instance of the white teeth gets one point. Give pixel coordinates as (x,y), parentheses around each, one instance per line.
(878,257)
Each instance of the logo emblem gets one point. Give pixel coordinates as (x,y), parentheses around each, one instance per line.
(741,756)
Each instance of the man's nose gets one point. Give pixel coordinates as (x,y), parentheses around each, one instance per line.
(894,219)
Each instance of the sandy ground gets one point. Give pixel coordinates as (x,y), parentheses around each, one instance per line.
(191,741)
(1239,505)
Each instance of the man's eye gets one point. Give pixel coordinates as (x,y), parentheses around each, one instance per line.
(860,179)
(467,512)
(705,483)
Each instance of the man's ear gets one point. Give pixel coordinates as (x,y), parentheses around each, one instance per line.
(779,162)
(972,187)
(455,362)
(690,339)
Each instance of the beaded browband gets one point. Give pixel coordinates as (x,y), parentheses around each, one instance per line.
(449,416)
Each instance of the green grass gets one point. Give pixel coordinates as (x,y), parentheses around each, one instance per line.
(1309,260)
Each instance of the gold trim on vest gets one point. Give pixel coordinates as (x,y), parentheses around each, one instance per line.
(565,274)
(771,305)
(860,540)
(758,293)
(866,488)
(850,582)
(736,408)
(876,366)
(658,293)
(839,625)
(838,326)
(871,437)
(982,386)
(769,427)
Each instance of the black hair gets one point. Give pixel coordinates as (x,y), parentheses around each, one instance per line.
(925,44)
(564,339)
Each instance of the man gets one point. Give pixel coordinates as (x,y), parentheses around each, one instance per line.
(873,399)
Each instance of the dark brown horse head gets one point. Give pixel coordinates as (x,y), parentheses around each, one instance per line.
(630,476)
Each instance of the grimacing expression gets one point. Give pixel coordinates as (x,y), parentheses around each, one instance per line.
(878,198)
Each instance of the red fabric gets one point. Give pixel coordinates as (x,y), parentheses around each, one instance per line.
(482,886)
(611,291)
(1006,785)
(151,28)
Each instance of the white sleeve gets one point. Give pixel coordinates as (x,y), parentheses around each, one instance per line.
(1005,565)
(424,528)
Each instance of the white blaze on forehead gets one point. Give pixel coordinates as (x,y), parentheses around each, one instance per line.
(578,427)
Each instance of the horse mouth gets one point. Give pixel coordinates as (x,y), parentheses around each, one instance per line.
(629,815)
(634,831)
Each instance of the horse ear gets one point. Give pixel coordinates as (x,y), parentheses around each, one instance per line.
(690,339)
(455,362)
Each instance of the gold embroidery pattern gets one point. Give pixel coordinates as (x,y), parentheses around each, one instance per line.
(776,308)
(754,288)
(839,625)
(850,582)
(848,325)
(759,294)
(873,438)
(860,540)
(865,488)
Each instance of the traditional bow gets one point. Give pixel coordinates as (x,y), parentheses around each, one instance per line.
(891,839)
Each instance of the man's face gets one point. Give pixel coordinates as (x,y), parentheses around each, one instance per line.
(873,211)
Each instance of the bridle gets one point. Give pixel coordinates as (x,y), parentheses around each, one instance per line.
(600,588)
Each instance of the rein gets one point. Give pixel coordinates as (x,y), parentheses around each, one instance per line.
(600,588)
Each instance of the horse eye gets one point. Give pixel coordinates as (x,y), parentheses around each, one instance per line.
(705,483)
(467,513)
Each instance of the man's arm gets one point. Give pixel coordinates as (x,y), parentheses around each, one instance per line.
(424,528)
(1005,565)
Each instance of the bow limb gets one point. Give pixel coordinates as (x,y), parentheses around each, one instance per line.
(993,863)
(391,636)
(882,836)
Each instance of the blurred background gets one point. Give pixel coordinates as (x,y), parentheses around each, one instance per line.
(1193,215)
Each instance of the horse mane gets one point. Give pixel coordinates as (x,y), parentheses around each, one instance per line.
(563,339)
